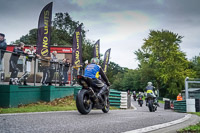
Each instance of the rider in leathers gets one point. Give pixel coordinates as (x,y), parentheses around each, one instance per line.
(150,92)
(93,71)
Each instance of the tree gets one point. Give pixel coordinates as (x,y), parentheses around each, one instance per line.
(195,65)
(161,55)
(61,32)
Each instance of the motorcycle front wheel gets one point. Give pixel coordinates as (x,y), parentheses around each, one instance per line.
(140,104)
(83,102)
(107,106)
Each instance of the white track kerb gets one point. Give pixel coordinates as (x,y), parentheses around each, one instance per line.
(159,126)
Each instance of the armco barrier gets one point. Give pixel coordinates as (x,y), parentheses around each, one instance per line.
(13,95)
(180,106)
(117,98)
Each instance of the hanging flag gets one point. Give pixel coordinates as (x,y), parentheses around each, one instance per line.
(44,31)
(77,48)
(96,50)
(106,60)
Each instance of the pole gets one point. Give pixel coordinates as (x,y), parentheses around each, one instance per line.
(56,72)
(35,70)
(186,87)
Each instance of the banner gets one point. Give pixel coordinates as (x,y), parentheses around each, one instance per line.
(96,50)
(106,60)
(44,31)
(77,48)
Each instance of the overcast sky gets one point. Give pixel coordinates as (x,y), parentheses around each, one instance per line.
(119,24)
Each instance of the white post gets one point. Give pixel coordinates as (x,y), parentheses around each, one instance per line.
(186,88)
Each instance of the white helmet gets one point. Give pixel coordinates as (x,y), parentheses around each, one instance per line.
(94,60)
(149,83)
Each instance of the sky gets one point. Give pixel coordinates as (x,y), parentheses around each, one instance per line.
(121,25)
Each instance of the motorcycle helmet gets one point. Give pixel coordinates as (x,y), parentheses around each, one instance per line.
(149,83)
(95,61)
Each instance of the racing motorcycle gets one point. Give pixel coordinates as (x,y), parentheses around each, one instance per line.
(151,104)
(87,99)
(140,101)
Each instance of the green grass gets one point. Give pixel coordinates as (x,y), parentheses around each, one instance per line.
(61,104)
(160,101)
(191,128)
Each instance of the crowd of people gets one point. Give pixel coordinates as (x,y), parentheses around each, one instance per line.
(49,64)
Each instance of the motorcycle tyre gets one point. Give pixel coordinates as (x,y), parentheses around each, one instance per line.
(150,105)
(80,102)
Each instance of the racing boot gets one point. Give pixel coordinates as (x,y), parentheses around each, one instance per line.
(102,91)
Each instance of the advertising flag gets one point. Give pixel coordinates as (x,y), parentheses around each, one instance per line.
(96,50)
(44,31)
(77,48)
(106,60)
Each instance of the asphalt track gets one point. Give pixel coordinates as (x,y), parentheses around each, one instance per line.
(116,121)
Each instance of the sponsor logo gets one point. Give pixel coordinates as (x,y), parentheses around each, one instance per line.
(45,51)
(106,62)
(77,54)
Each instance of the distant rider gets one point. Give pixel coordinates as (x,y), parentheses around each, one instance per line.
(93,70)
(150,92)
(140,95)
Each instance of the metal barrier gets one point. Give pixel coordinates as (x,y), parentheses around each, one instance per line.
(36,69)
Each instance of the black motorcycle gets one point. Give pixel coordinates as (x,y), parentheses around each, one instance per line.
(87,99)
(140,101)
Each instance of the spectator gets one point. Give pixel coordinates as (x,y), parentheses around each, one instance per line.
(65,70)
(28,61)
(17,51)
(3,46)
(179,97)
(53,66)
(45,64)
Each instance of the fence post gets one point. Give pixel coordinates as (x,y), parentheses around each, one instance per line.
(186,87)
(35,70)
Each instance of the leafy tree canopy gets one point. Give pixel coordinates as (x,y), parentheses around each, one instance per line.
(61,32)
(162,61)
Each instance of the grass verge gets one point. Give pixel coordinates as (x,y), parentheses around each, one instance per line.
(160,101)
(61,104)
(191,128)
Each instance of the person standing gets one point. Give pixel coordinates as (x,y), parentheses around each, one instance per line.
(65,70)
(53,66)
(45,64)
(17,51)
(30,54)
(179,97)
(3,46)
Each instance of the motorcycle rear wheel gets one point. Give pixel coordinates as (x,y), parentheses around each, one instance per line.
(150,104)
(83,102)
